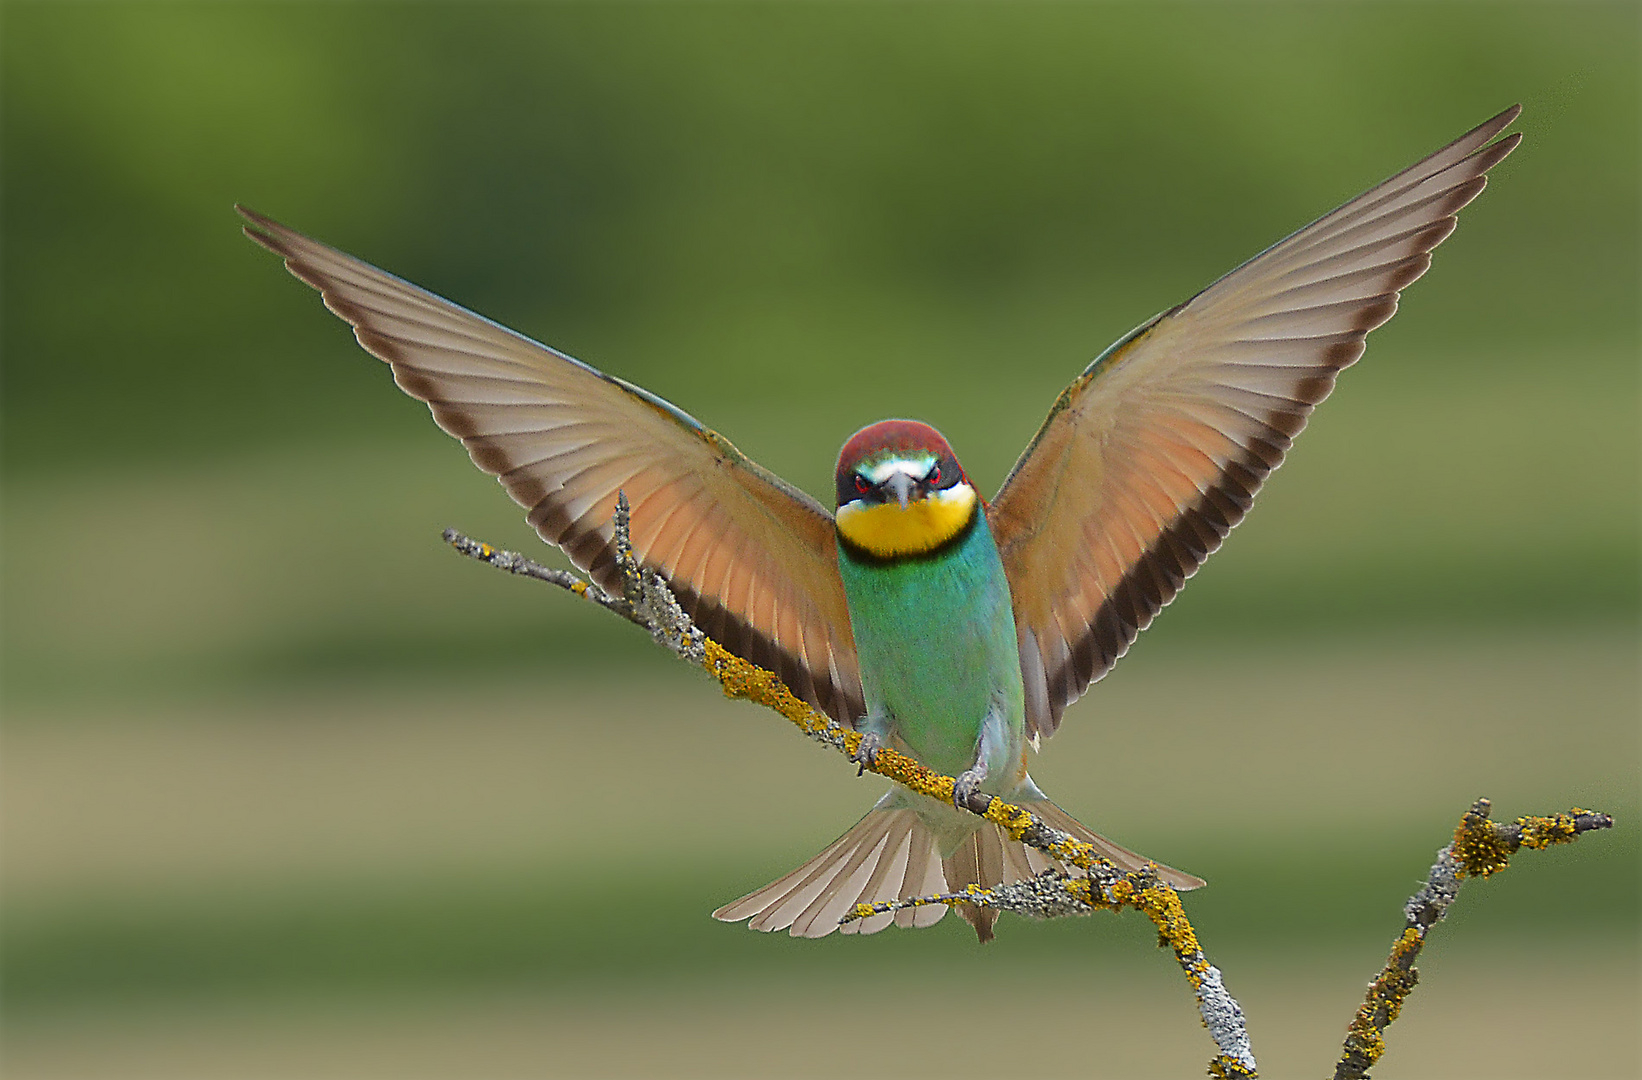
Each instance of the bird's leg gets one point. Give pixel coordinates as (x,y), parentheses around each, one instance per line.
(874,730)
(990,745)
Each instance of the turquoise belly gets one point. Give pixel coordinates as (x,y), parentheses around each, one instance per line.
(936,642)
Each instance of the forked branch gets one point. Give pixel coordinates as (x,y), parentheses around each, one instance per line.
(1480,847)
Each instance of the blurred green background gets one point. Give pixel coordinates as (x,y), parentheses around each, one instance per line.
(290,789)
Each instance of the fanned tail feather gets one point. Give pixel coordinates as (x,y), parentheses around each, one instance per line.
(1119,856)
(891,854)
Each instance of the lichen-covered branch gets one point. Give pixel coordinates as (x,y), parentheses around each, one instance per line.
(1480,847)
(647,601)
(1054,894)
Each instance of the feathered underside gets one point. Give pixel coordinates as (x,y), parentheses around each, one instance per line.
(1149,459)
(1143,466)
(751,558)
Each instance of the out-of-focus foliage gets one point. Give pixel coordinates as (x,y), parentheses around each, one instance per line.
(791,220)
(857,207)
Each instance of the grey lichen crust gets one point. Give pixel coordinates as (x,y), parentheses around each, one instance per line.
(651,603)
(1223,1016)
(1441,887)
(1046,896)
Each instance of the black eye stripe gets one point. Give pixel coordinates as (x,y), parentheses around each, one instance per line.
(944,474)
(853,487)
(941,476)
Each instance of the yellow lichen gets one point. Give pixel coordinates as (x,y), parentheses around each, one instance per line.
(1542,832)
(1363,1038)
(1397,978)
(1478,847)
(1162,906)
(1010,817)
(1225,1068)
(1384,1001)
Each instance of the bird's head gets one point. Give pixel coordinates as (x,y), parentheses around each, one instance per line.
(901,491)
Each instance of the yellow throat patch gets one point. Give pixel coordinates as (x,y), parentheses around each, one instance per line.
(887,531)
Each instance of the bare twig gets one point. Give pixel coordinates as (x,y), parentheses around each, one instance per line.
(1481,847)
(515,563)
(646,600)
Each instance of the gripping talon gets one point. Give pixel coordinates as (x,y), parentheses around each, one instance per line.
(866,753)
(966,785)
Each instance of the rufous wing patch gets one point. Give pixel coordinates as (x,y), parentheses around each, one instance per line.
(1156,451)
(751,558)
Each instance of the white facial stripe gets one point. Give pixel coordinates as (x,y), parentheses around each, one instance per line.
(915,467)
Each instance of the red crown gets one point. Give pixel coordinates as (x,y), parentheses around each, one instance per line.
(904,436)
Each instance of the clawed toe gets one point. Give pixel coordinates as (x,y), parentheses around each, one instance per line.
(965,786)
(866,753)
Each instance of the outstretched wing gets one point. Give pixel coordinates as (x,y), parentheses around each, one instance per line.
(752,559)
(1150,458)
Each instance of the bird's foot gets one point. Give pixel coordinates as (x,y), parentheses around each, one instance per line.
(866,752)
(967,784)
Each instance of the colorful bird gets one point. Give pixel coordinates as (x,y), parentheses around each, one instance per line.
(954,630)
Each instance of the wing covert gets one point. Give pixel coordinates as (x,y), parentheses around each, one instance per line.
(752,558)
(1155,453)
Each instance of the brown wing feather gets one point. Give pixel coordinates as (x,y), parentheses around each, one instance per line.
(752,558)
(1149,459)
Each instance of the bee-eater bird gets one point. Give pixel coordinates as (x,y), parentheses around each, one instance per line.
(952,629)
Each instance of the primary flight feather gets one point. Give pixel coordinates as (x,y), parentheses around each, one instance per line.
(954,630)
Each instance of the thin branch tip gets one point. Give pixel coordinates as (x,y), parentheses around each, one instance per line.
(1481,847)
(515,563)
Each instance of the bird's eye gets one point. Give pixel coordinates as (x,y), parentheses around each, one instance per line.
(934,476)
(861,485)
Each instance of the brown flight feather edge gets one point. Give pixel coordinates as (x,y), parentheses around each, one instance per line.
(1215,391)
(563,437)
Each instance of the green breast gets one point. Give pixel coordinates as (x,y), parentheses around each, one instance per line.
(936,641)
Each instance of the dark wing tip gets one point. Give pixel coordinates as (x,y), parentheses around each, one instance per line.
(262,239)
(282,240)
(1507,144)
(1494,125)
(263,230)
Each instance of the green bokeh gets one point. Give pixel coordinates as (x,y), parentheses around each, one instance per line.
(859,207)
(790,219)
